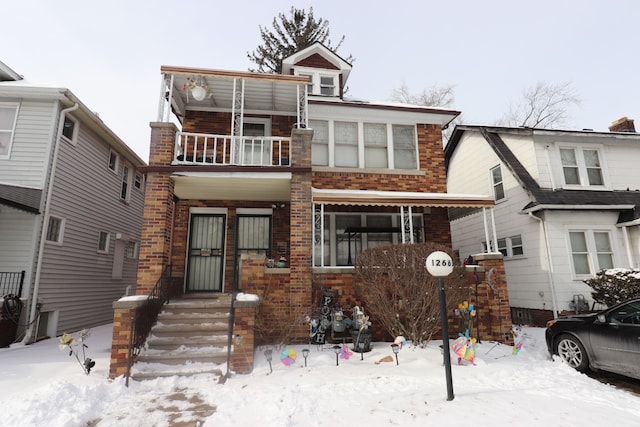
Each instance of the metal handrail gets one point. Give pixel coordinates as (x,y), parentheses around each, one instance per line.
(11,283)
(145,317)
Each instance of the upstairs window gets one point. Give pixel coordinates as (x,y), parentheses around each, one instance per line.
(103,242)
(327,85)
(124,190)
(69,130)
(508,247)
(113,161)
(581,166)
(496,182)
(55,229)
(310,84)
(375,145)
(8,117)
(346,144)
(404,147)
(321,82)
(591,251)
(320,142)
(131,250)
(137,182)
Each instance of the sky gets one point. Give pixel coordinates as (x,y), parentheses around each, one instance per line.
(44,386)
(109,53)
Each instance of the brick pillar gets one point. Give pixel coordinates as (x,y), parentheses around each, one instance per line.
(159,206)
(244,337)
(301,230)
(493,300)
(123,312)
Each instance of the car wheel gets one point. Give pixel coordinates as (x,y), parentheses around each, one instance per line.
(572,352)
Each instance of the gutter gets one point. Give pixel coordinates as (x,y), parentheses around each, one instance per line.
(29,338)
(552,286)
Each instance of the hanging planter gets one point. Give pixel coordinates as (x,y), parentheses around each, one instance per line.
(199,93)
(198,88)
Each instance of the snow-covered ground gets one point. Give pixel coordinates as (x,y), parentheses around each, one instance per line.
(43,386)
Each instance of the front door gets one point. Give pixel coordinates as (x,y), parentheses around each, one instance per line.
(253,235)
(205,266)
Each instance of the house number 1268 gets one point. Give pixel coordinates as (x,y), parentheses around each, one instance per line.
(439,264)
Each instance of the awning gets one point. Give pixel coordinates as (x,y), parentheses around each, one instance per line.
(23,198)
(400,198)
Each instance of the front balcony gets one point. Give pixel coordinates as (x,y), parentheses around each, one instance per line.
(227,150)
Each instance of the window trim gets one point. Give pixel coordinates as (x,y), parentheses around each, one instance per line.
(583,175)
(107,240)
(592,254)
(135,253)
(116,164)
(495,185)
(12,131)
(138,181)
(508,246)
(125,182)
(60,236)
(74,133)
(315,80)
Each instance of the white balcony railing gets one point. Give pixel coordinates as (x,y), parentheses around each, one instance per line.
(227,150)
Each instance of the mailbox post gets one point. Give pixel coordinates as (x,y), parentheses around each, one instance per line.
(439,264)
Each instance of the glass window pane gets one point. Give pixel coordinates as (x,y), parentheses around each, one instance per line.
(568,157)
(346,133)
(404,147)
(603,244)
(595,176)
(571,176)
(591,158)
(578,241)
(605,261)
(7,116)
(347,247)
(375,134)
(320,142)
(346,156)
(581,263)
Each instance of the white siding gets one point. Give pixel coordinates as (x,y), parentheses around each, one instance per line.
(31,145)
(17,241)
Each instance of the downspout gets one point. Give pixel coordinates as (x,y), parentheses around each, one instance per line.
(43,231)
(627,243)
(552,286)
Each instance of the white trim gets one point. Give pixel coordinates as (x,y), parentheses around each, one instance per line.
(208,211)
(76,126)
(579,208)
(13,128)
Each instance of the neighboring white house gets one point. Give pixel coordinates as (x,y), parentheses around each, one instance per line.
(71,201)
(567,206)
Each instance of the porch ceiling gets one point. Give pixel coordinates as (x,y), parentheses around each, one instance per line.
(273,93)
(400,198)
(270,187)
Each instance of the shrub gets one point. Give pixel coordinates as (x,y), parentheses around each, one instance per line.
(401,295)
(615,285)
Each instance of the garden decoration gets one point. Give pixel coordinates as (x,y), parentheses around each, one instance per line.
(465,312)
(68,342)
(345,353)
(516,348)
(465,348)
(288,356)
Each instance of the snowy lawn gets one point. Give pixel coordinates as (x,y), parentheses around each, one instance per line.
(43,386)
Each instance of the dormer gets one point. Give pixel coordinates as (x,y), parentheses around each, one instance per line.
(327,72)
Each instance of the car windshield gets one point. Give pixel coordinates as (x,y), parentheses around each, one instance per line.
(627,314)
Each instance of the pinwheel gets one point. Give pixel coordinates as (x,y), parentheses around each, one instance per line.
(288,357)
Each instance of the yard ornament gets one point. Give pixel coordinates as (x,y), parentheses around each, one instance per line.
(465,348)
(288,357)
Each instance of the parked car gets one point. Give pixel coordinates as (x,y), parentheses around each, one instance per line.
(608,340)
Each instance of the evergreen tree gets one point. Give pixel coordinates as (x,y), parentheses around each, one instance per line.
(290,34)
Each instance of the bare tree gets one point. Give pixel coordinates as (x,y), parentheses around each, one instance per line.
(435,96)
(543,105)
(401,295)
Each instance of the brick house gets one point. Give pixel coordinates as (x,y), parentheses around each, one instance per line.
(268,169)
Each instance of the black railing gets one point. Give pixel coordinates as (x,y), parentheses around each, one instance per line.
(11,283)
(146,316)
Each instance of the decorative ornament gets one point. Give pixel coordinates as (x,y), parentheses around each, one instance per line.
(288,357)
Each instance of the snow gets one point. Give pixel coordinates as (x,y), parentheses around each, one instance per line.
(43,386)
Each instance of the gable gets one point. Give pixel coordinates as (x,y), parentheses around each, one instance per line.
(316,61)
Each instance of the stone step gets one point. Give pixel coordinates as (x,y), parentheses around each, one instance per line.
(183,356)
(152,374)
(167,318)
(172,343)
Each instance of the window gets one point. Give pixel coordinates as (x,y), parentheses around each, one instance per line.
(590,248)
(103,242)
(404,147)
(55,229)
(346,144)
(113,161)
(138,181)
(320,143)
(509,246)
(69,129)
(8,118)
(310,84)
(327,85)
(498,185)
(375,145)
(581,166)
(124,191)
(131,250)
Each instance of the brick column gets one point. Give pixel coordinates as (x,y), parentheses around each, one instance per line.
(159,206)
(301,230)
(243,329)
(123,312)
(493,300)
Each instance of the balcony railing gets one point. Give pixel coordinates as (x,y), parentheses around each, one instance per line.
(227,150)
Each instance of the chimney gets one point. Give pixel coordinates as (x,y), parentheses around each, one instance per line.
(623,124)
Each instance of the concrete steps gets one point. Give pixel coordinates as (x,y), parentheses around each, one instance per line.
(189,338)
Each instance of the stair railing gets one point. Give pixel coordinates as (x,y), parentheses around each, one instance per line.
(146,316)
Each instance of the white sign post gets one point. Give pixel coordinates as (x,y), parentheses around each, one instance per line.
(439,264)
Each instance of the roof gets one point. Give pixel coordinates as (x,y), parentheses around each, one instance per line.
(399,198)
(317,48)
(626,202)
(23,198)
(7,74)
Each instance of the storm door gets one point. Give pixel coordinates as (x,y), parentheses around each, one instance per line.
(253,236)
(206,253)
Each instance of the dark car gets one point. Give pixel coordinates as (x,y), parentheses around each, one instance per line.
(608,340)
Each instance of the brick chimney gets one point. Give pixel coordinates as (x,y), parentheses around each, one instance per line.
(623,124)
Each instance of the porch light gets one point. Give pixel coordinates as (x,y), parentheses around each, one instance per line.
(305,354)
(199,93)
(395,349)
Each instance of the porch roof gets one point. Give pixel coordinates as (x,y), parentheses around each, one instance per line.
(23,198)
(400,198)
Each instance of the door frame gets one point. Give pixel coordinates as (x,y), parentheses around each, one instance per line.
(206,211)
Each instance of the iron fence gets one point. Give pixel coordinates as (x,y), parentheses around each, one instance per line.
(11,283)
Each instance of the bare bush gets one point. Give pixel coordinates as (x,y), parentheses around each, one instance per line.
(401,295)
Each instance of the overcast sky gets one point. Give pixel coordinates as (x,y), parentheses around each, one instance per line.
(109,52)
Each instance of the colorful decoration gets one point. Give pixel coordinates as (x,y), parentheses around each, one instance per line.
(345,353)
(288,357)
(465,348)
(516,348)
(466,312)
(401,341)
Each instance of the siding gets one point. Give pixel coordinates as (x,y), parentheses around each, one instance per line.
(76,279)
(31,145)
(16,242)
